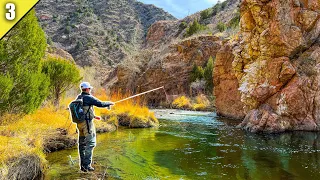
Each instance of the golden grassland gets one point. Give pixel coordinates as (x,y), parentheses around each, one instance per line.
(22,136)
(26,137)
(199,103)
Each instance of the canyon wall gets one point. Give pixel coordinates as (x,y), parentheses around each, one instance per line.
(276,62)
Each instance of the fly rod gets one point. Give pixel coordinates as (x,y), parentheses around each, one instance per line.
(162,87)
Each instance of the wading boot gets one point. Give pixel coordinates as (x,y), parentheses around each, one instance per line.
(90,168)
(83,169)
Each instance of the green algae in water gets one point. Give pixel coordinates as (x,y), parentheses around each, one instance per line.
(195,147)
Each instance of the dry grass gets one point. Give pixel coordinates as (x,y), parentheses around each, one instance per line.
(199,103)
(23,139)
(132,113)
(182,102)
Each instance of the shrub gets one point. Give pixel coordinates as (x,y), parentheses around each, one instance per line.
(194,28)
(224,5)
(79,45)
(20,69)
(63,76)
(201,103)
(67,30)
(182,102)
(208,75)
(216,9)
(196,73)
(235,21)
(205,14)
(49,41)
(221,26)
(183,25)
(6,85)
(198,86)
(28,135)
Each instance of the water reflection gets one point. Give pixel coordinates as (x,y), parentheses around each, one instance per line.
(199,147)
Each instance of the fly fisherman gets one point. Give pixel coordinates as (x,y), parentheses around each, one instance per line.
(86,129)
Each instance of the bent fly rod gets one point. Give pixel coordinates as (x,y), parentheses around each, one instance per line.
(162,87)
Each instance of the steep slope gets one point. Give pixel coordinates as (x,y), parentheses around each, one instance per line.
(98,33)
(166,32)
(170,55)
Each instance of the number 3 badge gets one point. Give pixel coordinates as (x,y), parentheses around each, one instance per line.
(11,12)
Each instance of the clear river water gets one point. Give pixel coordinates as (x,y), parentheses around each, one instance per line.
(194,145)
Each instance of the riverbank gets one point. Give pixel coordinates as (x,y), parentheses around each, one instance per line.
(26,139)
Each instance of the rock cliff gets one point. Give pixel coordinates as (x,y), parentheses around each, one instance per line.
(169,55)
(228,100)
(276,63)
(170,68)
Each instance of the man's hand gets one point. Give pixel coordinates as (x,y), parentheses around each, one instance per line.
(110,104)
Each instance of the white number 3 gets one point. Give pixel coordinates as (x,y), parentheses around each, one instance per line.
(11,13)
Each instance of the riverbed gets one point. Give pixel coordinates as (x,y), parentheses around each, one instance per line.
(194,145)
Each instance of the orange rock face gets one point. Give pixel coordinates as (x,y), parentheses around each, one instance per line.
(277,65)
(226,86)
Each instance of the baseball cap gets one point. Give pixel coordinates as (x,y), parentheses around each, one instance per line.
(85,85)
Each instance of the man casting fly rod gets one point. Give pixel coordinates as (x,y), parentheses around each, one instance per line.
(82,114)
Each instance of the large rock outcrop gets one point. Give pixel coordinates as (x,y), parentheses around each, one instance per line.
(277,65)
(170,68)
(226,85)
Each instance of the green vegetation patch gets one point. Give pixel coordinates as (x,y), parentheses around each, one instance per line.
(193,28)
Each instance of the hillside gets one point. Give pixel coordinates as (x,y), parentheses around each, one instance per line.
(98,33)
(170,53)
(125,41)
(167,32)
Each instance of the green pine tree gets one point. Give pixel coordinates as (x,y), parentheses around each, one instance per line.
(197,73)
(21,51)
(208,75)
(194,28)
(200,73)
(221,26)
(63,76)
(193,76)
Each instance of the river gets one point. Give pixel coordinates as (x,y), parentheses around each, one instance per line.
(195,145)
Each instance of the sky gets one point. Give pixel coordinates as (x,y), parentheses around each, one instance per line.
(182,8)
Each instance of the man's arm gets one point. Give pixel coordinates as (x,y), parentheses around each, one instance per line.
(93,101)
